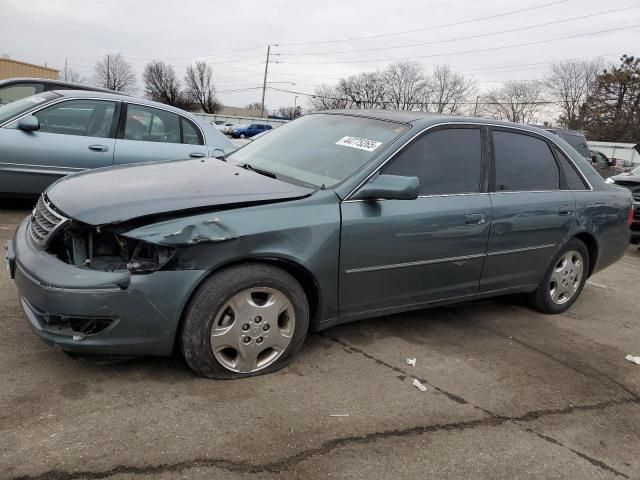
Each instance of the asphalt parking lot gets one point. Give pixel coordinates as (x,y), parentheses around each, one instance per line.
(510,394)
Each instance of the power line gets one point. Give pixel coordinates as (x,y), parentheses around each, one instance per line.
(537,102)
(463,22)
(480,35)
(502,47)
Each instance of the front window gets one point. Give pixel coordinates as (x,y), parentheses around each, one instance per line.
(319,149)
(19,107)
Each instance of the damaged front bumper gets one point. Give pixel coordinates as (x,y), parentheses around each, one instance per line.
(89,311)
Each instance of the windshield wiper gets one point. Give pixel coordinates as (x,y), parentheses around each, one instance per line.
(261,171)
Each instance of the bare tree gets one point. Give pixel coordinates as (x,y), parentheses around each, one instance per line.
(570,83)
(447,91)
(115,73)
(161,84)
(72,76)
(199,82)
(406,85)
(327,97)
(516,101)
(255,107)
(364,90)
(290,112)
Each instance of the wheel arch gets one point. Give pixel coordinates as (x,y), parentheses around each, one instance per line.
(592,247)
(303,276)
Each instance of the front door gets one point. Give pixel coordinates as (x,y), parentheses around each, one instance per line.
(532,213)
(410,252)
(74,135)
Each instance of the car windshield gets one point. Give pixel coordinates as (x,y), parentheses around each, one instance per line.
(319,149)
(18,107)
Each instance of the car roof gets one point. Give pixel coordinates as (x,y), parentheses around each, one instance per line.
(121,97)
(423,119)
(52,82)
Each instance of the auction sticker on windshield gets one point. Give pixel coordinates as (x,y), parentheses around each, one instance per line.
(359,143)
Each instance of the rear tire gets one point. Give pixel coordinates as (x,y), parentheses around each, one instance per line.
(244,321)
(564,280)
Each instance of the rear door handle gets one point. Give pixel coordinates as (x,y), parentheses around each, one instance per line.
(565,210)
(197,155)
(99,148)
(474,219)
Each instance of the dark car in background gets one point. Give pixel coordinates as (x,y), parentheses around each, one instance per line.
(60,132)
(334,217)
(248,131)
(14,89)
(631,181)
(576,139)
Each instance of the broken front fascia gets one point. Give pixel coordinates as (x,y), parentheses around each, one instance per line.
(184,232)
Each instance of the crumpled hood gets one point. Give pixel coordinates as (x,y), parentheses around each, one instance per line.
(113,195)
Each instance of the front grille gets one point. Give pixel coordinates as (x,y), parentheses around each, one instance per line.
(44,221)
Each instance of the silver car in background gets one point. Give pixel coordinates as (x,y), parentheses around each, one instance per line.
(56,133)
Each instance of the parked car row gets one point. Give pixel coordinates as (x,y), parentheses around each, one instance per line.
(241,130)
(331,218)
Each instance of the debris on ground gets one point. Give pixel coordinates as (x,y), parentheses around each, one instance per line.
(411,361)
(633,359)
(419,385)
(339,415)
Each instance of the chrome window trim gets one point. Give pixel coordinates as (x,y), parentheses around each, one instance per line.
(478,124)
(435,195)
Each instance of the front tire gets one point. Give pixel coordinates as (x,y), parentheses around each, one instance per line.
(243,136)
(244,321)
(564,280)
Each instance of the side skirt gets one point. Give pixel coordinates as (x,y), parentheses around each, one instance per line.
(330,322)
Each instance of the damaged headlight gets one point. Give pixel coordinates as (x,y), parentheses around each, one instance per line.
(101,249)
(147,257)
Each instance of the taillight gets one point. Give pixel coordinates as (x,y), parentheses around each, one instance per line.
(630,219)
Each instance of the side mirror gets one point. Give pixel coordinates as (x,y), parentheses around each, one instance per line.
(29,124)
(389,187)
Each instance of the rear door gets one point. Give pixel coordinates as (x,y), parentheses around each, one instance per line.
(409,252)
(74,135)
(532,212)
(147,134)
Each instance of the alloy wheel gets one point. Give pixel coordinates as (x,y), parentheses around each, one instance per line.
(566,277)
(252,329)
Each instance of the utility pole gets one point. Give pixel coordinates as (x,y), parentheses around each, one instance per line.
(66,73)
(475,110)
(108,72)
(295,106)
(264,83)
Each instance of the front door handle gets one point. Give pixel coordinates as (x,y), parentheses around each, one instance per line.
(99,148)
(474,219)
(565,210)
(197,155)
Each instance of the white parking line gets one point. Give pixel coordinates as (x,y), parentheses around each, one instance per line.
(598,285)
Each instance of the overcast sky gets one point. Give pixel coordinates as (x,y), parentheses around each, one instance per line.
(233,35)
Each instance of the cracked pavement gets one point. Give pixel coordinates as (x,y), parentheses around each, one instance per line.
(510,394)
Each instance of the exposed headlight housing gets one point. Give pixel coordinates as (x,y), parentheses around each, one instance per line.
(609,180)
